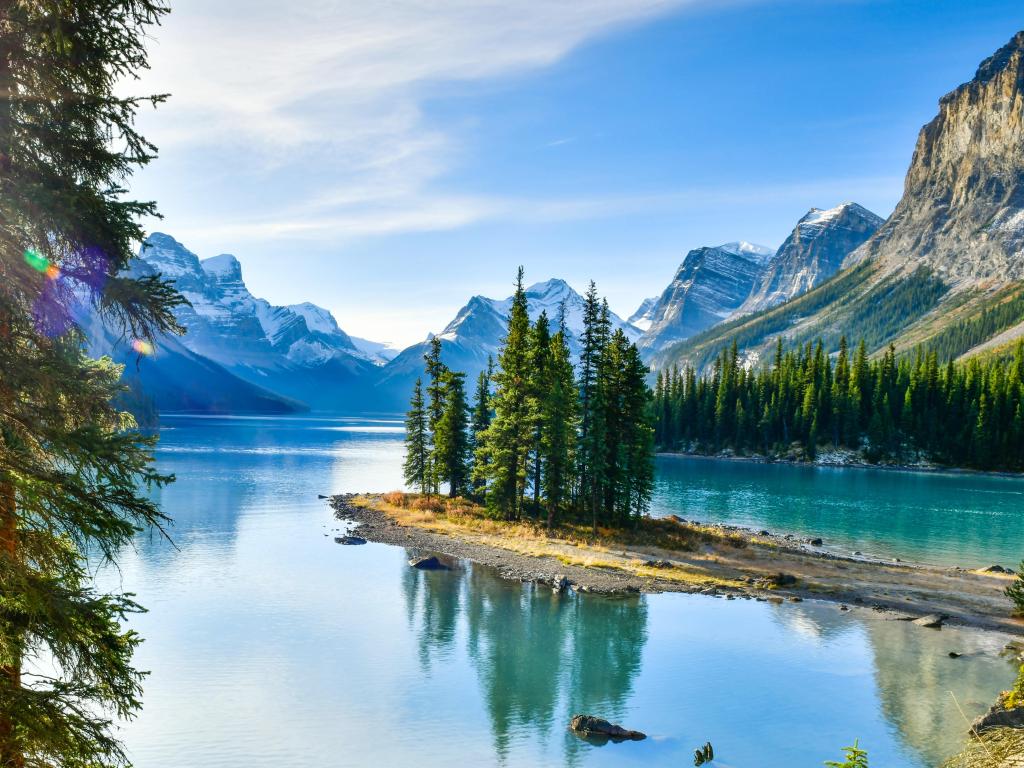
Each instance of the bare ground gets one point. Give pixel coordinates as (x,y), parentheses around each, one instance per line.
(725,562)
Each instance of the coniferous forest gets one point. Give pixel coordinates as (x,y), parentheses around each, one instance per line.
(889,408)
(542,439)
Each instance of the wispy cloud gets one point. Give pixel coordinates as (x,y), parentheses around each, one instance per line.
(293,99)
(344,214)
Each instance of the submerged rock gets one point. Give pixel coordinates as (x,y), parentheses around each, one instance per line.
(816,542)
(932,620)
(351,540)
(428,564)
(592,727)
(560,584)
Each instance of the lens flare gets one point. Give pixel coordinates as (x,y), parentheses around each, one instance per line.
(142,346)
(52,272)
(37,261)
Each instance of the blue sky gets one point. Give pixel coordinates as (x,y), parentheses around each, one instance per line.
(387,161)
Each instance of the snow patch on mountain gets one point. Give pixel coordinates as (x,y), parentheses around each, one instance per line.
(710,284)
(643,316)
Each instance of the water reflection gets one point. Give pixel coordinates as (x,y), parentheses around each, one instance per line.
(539,657)
(922,689)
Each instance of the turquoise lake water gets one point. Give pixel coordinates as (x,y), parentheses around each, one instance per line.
(270,645)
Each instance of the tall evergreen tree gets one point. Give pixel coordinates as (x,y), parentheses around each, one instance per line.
(505,446)
(479,422)
(72,468)
(558,419)
(417,442)
(436,371)
(539,386)
(451,439)
(591,452)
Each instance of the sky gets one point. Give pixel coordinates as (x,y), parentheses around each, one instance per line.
(388,160)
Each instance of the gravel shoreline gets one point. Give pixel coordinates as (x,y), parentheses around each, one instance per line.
(902,591)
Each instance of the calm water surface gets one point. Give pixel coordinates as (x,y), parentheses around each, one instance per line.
(942,518)
(270,645)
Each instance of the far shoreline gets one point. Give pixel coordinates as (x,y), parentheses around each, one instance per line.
(930,469)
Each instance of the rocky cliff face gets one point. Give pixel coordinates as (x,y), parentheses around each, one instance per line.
(813,252)
(962,211)
(710,285)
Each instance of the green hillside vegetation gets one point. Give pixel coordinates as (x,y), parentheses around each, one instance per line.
(1004,310)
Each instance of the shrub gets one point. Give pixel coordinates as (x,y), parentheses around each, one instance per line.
(1016,592)
(428,504)
(1014,697)
(396,499)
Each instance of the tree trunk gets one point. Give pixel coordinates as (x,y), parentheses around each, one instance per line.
(10,674)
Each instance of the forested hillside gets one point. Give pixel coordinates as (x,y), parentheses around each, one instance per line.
(891,408)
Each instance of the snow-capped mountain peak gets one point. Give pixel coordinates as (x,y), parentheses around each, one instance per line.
(753,251)
(812,253)
(251,337)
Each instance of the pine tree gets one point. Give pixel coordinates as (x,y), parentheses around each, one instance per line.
(505,445)
(417,448)
(451,440)
(72,467)
(591,451)
(539,385)
(479,422)
(558,417)
(436,371)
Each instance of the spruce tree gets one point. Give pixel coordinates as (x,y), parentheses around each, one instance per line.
(417,448)
(539,384)
(591,451)
(436,371)
(505,446)
(558,417)
(451,439)
(479,422)
(73,470)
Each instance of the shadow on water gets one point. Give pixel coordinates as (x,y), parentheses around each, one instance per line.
(539,657)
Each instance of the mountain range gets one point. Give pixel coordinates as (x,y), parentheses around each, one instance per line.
(944,271)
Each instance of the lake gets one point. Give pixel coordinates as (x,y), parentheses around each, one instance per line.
(270,645)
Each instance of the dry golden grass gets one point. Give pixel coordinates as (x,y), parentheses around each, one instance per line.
(571,544)
(1000,748)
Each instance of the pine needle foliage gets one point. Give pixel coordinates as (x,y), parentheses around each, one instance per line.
(72,467)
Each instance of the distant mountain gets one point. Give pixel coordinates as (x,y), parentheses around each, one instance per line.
(297,351)
(379,352)
(946,270)
(477,331)
(710,285)
(813,252)
(644,315)
(174,378)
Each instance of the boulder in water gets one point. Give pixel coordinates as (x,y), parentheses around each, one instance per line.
(591,727)
(350,540)
(428,564)
(932,620)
